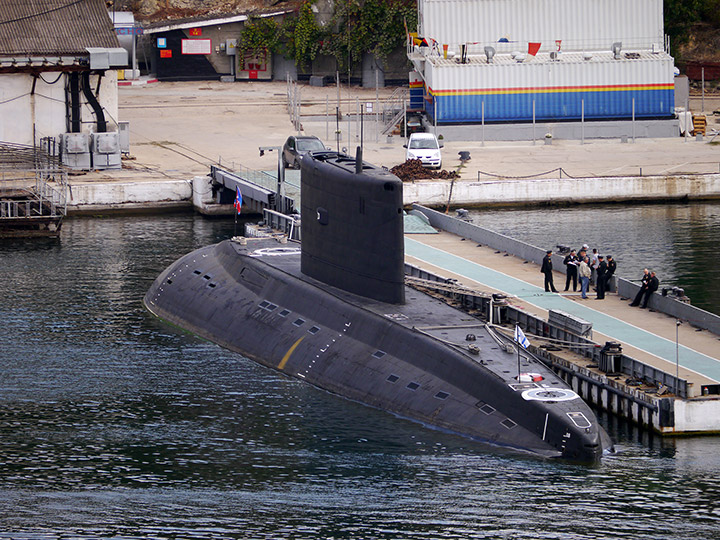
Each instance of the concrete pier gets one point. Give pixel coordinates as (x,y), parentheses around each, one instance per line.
(647,390)
(128,194)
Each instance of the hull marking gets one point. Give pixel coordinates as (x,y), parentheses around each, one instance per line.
(285,358)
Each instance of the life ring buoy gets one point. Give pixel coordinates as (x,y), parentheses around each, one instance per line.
(530,377)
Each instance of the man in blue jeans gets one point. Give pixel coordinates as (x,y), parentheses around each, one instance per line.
(584,272)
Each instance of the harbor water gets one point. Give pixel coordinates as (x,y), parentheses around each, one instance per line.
(115,425)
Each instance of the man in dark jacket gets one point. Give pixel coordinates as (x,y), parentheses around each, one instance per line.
(611,267)
(571,263)
(643,287)
(546,269)
(601,271)
(653,285)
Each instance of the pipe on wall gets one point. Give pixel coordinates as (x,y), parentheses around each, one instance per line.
(92,100)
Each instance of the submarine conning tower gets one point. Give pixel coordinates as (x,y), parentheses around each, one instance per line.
(352,226)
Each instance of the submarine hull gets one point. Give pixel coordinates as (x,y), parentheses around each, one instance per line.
(335,312)
(411,359)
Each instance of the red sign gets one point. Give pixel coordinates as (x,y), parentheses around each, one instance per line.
(195,32)
(165,53)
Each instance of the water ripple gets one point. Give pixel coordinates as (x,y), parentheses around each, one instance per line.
(113,425)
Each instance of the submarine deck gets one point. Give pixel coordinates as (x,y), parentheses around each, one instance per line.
(646,335)
(420,312)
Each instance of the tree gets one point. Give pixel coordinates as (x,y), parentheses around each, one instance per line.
(679,17)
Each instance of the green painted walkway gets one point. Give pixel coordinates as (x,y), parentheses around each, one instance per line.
(610,326)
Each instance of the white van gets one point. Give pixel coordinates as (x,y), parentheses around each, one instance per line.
(426,148)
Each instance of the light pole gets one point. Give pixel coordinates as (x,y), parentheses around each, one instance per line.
(279,206)
(677,356)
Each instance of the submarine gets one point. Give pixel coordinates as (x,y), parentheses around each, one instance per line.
(334,310)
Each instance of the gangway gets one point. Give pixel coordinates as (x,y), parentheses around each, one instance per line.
(32,210)
(255,196)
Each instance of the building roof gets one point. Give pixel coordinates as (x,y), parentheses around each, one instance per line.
(203,12)
(54,27)
(166,26)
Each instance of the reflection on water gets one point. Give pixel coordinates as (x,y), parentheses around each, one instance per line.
(679,241)
(113,424)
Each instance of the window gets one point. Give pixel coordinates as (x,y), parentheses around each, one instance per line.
(392,378)
(314,330)
(299,322)
(284,313)
(309,145)
(378,354)
(267,305)
(484,407)
(442,395)
(413,386)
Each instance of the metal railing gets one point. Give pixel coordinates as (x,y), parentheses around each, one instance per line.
(46,198)
(394,109)
(289,225)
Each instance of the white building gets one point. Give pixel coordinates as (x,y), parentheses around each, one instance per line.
(58,62)
(544,60)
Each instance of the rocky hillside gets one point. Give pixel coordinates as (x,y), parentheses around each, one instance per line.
(700,41)
(157,10)
(703,44)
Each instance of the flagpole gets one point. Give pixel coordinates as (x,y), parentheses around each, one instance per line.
(520,339)
(517,335)
(237,206)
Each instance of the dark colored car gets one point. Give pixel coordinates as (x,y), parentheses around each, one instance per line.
(298,145)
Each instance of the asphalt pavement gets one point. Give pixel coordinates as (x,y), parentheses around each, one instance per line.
(179,129)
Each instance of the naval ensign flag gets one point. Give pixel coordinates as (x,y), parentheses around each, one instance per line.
(520,337)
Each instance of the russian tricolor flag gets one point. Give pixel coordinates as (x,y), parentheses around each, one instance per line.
(238,200)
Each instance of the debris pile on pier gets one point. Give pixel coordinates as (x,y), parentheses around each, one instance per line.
(413,170)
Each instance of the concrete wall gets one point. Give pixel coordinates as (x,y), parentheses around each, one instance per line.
(128,196)
(682,91)
(696,415)
(673,307)
(282,67)
(562,190)
(43,113)
(219,35)
(20,111)
(576,131)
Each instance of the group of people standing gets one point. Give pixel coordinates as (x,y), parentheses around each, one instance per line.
(589,268)
(595,268)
